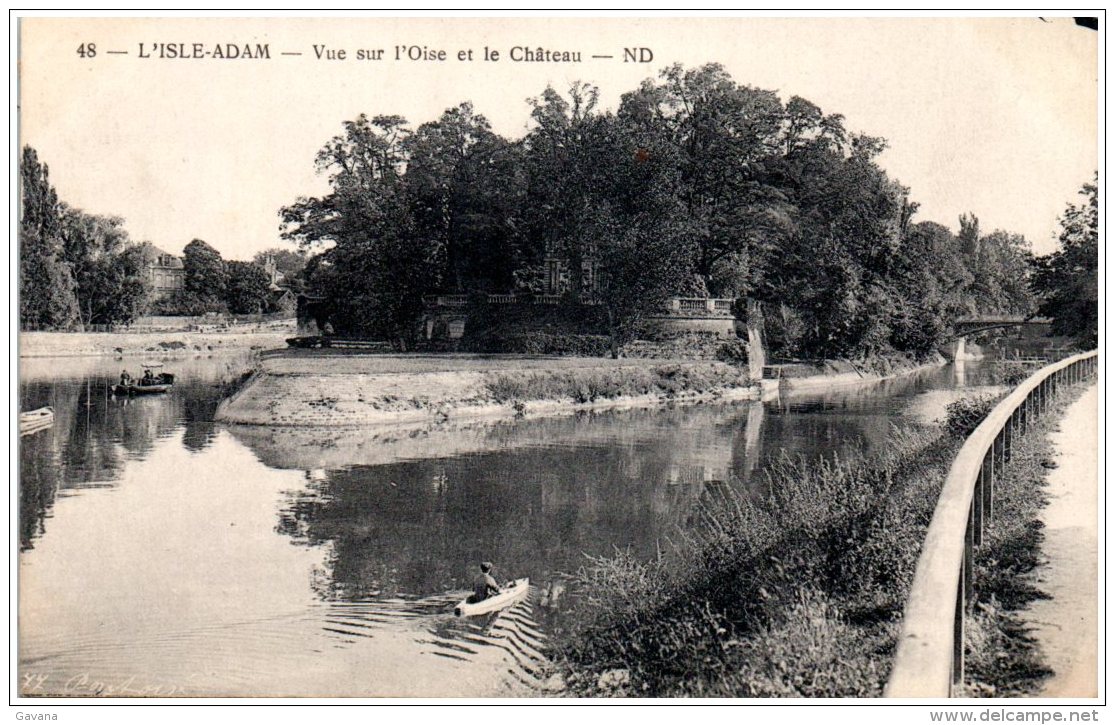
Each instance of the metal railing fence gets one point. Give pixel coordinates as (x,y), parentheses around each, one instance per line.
(929,661)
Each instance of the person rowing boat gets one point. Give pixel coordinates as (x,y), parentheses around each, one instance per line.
(488,596)
(485,585)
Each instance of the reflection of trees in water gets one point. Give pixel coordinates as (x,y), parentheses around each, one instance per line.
(422,527)
(38,485)
(75,452)
(537,495)
(818,435)
(199,404)
(94,433)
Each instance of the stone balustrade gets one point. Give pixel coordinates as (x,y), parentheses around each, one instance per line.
(702,307)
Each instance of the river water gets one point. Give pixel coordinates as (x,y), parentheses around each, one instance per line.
(164,554)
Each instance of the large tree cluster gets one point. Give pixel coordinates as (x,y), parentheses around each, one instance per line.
(695,185)
(75,269)
(78,269)
(213,284)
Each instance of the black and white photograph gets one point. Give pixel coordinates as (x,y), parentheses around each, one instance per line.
(557,359)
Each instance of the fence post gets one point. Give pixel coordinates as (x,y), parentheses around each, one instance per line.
(1008,438)
(979,509)
(987,475)
(957,677)
(969,560)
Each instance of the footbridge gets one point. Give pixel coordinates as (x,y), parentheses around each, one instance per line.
(965,327)
(968,326)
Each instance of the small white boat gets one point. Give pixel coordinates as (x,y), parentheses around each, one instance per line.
(36,420)
(510,594)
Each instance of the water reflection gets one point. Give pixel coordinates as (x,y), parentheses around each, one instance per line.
(242,560)
(421,527)
(95,434)
(414,511)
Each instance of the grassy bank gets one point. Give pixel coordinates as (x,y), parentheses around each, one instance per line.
(306,389)
(587,385)
(799,591)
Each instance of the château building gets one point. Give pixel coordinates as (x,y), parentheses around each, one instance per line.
(166,273)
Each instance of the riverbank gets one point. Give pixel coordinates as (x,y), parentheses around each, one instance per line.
(794,591)
(799,591)
(838,373)
(326,388)
(123,344)
(333,388)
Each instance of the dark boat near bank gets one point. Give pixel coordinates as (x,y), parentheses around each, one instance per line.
(161,384)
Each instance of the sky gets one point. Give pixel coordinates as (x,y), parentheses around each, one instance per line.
(994,116)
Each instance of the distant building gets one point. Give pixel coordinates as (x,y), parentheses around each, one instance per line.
(166,273)
(275,278)
(283,300)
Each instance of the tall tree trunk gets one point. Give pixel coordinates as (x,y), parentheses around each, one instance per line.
(613,335)
(756,350)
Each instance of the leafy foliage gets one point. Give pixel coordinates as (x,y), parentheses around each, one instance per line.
(696,185)
(45,283)
(206,278)
(110,276)
(76,269)
(248,290)
(794,593)
(1068,279)
(376,273)
(963,416)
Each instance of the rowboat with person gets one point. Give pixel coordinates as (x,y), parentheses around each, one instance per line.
(489,596)
(149,384)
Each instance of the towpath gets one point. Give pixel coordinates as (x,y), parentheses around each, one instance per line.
(1066,626)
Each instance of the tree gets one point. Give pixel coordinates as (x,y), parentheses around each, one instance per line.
(1001,272)
(719,137)
(697,185)
(642,256)
(248,290)
(969,235)
(464,193)
(126,291)
(931,281)
(377,271)
(365,164)
(206,279)
(560,155)
(1067,280)
(46,298)
(110,282)
(835,265)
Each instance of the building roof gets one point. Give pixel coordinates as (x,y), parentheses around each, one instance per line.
(165,259)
